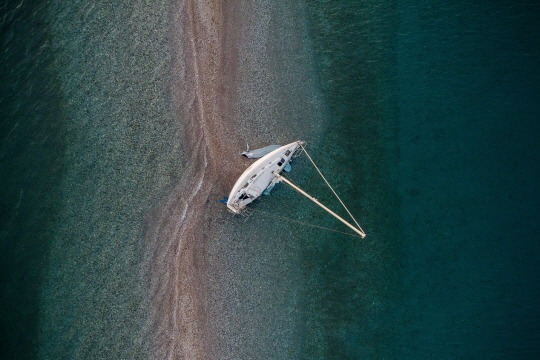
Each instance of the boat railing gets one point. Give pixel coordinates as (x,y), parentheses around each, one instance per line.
(299,150)
(246,213)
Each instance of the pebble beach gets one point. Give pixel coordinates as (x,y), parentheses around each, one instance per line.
(213,289)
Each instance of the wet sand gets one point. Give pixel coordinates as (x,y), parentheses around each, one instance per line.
(220,287)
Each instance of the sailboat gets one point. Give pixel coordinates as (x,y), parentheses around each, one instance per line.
(267,171)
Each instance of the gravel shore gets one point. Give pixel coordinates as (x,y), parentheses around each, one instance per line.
(221,287)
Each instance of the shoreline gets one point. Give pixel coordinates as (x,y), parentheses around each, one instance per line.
(239,73)
(173,240)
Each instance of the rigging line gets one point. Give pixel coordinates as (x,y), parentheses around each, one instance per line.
(327,183)
(307,224)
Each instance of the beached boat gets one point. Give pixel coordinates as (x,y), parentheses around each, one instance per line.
(267,171)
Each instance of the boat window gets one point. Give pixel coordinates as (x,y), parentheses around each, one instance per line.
(287,152)
(279,163)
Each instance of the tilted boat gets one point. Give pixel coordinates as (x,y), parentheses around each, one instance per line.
(267,171)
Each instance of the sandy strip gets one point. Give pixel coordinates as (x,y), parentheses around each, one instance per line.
(240,74)
(175,237)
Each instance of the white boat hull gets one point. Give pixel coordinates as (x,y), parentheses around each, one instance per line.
(260,176)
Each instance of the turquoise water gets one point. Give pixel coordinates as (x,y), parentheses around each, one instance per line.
(469,97)
(435,107)
(353,284)
(89,146)
(432,136)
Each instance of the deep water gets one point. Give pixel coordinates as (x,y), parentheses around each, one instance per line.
(469,100)
(434,114)
(32,135)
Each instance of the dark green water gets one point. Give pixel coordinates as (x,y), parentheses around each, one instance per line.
(352,282)
(32,130)
(469,99)
(434,108)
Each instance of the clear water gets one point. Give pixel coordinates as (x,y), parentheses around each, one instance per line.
(469,97)
(432,133)
(436,107)
(32,129)
(89,145)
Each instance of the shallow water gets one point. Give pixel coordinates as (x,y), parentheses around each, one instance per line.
(351,283)
(122,154)
(254,275)
(91,146)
